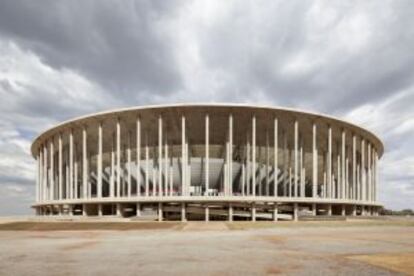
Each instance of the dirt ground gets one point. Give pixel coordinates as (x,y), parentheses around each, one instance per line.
(380,247)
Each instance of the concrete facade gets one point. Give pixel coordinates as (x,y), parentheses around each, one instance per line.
(207,162)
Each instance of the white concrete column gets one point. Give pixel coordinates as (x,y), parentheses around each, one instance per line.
(376,177)
(166,169)
(84,163)
(75,172)
(301,191)
(46,172)
(314,211)
(295,212)
(230,212)
(267,164)
(285,165)
(129,160)
(60,163)
(160,211)
(254,155)
(52,173)
(253,212)
(363,182)
(206,213)
(118,158)
(146,170)
(230,172)
(99,168)
(183,217)
(160,156)
(295,168)
(248,169)
(343,164)
(369,187)
(314,162)
(112,180)
(183,158)
(100,213)
(354,184)
(275,212)
(207,165)
(41,174)
(118,210)
(138,157)
(329,170)
(275,157)
(37,180)
(138,151)
(138,210)
(71,164)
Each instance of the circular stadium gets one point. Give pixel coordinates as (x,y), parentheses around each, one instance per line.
(207,162)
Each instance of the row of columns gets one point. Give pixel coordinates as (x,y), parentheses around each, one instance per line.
(356,177)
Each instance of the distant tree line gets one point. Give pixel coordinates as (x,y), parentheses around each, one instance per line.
(388,212)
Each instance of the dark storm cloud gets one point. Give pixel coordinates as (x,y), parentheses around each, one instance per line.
(120,45)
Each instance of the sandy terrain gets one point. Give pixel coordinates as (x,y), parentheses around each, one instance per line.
(216,248)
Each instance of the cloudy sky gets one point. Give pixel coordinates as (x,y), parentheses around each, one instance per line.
(350,59)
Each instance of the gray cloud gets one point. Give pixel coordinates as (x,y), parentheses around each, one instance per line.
(63,59)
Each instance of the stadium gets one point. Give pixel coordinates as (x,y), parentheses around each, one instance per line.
(207,162)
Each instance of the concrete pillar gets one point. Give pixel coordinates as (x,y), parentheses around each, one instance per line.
(253,156)
(363,170)
(343,210)
(118,210)
(230,160)
(183,214)
(206,213)
(100,213)
(329,170)
(295,211)
(329,207)
(354,210)
(267,188)
(138,210)
(70,207)
(84,212)
(129,160)
(369,173)
(84,164)
(71,164)
(354,184)
(183,158)
(138,157)
(166,169)
(160,211)
(314,211)
(99,168)
(230,212)
(253,212)
(159,156)
(146,170)
(207,164)
(314,163)
(118,158)
(52,173)
(275,211)
(275,157)
(343,165)
(112,178)
(295,168)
